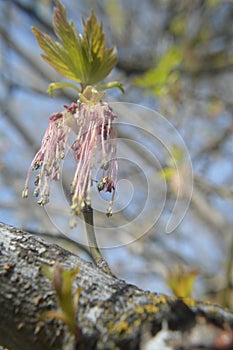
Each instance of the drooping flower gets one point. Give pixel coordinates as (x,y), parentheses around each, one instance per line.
(48,159)
(86,61)
(94,147)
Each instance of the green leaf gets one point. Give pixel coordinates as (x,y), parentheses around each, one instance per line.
(70,40)
(181,281)
(82,58)
(174,161)
(165,71)
(61,85)
(68,301)
(166,173)
(111,85)
(100,60)
(177,156)
(56,55)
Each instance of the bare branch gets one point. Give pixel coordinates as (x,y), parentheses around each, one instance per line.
(111,313)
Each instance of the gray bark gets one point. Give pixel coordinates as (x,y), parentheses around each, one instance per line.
(111,313)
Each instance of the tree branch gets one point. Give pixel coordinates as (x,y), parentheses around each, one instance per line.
(111,313)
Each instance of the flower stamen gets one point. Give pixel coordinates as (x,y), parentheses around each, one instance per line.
(95,144)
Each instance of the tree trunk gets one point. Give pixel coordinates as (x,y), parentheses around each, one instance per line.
(111,313)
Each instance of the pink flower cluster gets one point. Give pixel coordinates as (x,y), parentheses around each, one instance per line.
(94,145)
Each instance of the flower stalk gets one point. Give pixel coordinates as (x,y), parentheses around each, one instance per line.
(93,246)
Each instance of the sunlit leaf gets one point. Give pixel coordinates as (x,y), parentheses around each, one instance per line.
(62,281)
(101,60)
(174,162)
(177,156)
(165,72)
(110,85)
(181,281)
(56,56)
(82,58)
(166,173)
(70,41)
(61,85)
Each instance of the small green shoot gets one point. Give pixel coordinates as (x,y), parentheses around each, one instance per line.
(67,300)
(182,281)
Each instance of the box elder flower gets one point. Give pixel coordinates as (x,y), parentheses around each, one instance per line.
(84,59)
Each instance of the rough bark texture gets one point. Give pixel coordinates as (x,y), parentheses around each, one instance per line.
(111,313)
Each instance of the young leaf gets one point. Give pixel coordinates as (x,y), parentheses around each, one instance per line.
(181,281)
(111,85)
(70,41)
(61,85)
(82,58)
(62,281)
(165,72)
(101,60)
(56,55)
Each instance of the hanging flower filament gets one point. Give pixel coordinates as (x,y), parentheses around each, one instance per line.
(48,158)
(94,146)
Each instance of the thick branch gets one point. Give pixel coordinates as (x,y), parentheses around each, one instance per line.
(111,314)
